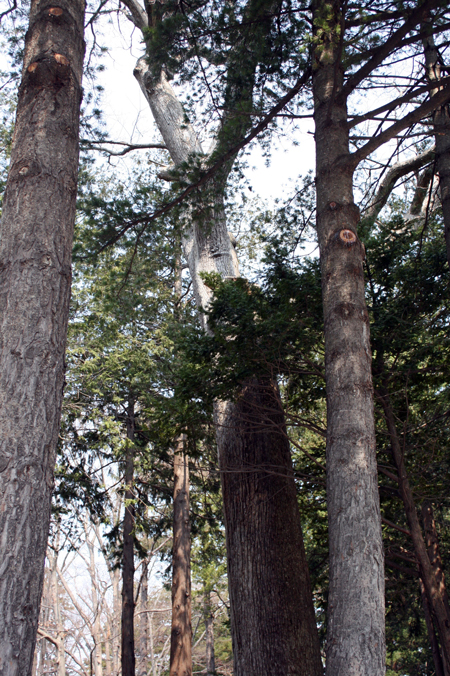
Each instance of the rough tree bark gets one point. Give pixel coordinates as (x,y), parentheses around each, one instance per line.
(35,275)
(355,633)
(181,633)
(128,656)
(272,614)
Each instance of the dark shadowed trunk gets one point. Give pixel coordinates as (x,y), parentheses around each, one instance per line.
(181,635)
(272,615)
(432,542)
(128,657)
(434,587)
(434,643)
(35,275)
(355,638)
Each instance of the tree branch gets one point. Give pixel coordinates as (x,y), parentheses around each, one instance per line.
(384,50)
(95,145)
(138,15)
(389,181)
(415,116)
(395,103)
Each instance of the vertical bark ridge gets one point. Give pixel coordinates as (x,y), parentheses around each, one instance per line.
(35,276)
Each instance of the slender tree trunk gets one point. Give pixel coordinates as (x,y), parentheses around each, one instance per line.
(432,542)
(209,635)
(181,635)
(108,662)
(441,127)
(143,622)
(435,649)
(435,592)
(59,643)
(273,618)
(96,626)
(355,633)
(35,274)
(128,657)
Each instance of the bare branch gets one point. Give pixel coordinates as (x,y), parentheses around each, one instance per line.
(8,11)
(415,116)
(98,145)
(389,181)
(416,17)
(395,103)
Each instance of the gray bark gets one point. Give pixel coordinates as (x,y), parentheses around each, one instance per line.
(355,633)
(35,275)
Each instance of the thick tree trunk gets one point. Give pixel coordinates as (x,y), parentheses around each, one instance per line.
(181,634)
(356,636)
(128,656)
(273,618)
(436,593)
(441,127)
(35,275)
(272,614)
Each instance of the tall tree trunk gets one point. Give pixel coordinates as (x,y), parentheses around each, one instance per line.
(181,634)
(355,633)
(96,625)
(59,627)
(434,643)
(441,127)
(272,615)
(128,656)
(436,593)
(143,622)
(209,635)
(35,275)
